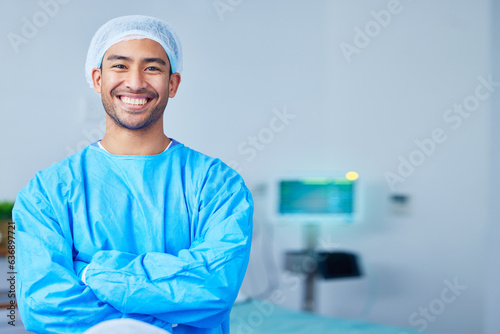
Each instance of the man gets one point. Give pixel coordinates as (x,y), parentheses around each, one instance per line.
(137,225)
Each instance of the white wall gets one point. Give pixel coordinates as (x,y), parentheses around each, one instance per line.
(359,115)
(493,264)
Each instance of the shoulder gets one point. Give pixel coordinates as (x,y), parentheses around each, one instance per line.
(213,180)
(205,167)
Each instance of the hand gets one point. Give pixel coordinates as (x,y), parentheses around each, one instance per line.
(79,267)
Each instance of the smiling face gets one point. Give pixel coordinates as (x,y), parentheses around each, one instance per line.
(135,83)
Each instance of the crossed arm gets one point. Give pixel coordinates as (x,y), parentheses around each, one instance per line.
(196,288)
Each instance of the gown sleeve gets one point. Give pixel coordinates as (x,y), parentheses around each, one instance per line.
(198,286)
(50,296)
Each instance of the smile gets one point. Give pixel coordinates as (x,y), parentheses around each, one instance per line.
(134,102)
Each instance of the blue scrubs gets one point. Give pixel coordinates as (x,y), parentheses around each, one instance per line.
(166,239)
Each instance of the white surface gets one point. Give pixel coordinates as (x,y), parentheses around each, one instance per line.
(124,326)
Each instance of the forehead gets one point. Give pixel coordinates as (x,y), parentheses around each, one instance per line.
(137,49)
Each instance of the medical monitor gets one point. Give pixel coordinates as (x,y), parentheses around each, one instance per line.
(315,199)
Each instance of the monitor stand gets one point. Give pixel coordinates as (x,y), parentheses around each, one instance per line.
(311,232)
(316,264)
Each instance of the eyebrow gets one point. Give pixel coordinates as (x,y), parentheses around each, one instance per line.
(154,60)
(144,60)
(118,57)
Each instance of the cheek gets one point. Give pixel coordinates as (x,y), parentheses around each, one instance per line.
(110,81)
(159,82)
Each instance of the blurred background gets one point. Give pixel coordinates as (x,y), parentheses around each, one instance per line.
(402,92)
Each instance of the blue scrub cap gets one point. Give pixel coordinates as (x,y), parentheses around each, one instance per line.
(133,27)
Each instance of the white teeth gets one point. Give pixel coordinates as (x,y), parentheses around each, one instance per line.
(129,100)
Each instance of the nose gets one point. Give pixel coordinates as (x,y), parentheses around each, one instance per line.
(135,79)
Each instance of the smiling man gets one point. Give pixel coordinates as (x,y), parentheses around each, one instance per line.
(136,226)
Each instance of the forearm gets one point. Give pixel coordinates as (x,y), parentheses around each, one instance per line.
(191,288)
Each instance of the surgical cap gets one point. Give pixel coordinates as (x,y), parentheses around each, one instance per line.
(133,27)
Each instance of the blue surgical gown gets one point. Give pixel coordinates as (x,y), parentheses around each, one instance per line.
(166,239)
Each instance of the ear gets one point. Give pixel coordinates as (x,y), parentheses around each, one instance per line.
(96,79)
(174,81)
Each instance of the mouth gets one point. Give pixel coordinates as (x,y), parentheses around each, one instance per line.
(134,102)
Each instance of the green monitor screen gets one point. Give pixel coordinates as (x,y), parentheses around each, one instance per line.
(320,197)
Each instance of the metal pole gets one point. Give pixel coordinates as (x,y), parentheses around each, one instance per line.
(311,236)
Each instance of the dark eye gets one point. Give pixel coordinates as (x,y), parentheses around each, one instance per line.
(152,68)
(118,66)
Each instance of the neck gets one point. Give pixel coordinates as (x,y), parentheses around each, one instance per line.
(122,141)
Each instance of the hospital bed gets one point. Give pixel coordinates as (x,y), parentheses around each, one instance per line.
(250,318)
